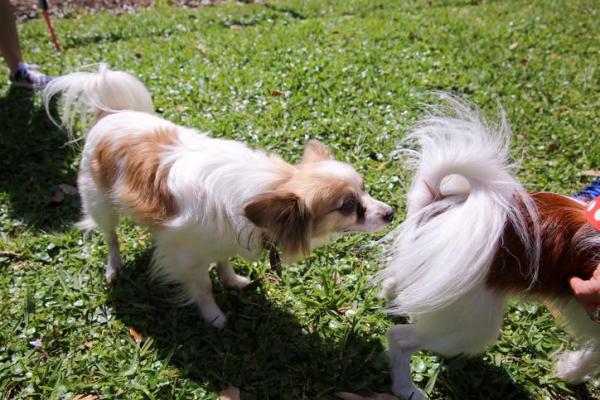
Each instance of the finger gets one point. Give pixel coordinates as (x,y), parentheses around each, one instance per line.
(581,287)
(596,273)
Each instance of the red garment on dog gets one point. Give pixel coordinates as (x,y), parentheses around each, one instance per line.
(592,212)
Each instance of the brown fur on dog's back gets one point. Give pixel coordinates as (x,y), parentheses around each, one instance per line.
(563,226)
(143,185)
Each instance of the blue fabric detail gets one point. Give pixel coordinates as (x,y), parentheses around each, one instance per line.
(590,192)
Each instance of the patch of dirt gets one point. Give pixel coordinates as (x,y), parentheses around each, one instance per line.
(29,9)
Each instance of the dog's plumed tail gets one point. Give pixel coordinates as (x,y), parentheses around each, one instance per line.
(96,94)
(462,197)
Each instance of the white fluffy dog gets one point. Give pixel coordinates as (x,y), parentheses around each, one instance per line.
(474,236)
(204,199)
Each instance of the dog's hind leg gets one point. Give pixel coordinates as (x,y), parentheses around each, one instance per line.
(574,366)
(98,208)
(466,326)
(403,343)
(115,263)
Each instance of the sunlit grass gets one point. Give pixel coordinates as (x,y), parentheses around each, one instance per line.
(352,73)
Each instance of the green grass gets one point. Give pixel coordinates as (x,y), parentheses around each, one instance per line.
(351,73)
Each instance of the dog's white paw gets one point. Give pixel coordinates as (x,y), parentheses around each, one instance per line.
(409,393)
(237,282)
(213,314)
(218,321)
(113,266)
(569,366)
(111,275)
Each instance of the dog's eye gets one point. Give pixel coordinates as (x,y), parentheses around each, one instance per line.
(348,206)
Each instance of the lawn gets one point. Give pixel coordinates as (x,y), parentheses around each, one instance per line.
(351,73)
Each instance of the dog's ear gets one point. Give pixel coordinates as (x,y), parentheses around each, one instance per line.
(286,218)
(316,151)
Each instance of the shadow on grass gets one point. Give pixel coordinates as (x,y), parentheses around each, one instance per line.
(268,354)
(263,349)
(33,162)
(581,392)
(474,378)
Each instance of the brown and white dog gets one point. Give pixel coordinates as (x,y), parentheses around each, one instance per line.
(204,199)
(472,238)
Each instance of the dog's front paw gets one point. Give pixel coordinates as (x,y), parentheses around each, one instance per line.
(211,312)
(219,321)
(111,276)
(214,316)
(113,267)
(237,282)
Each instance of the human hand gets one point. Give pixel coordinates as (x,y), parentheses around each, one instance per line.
(587,293)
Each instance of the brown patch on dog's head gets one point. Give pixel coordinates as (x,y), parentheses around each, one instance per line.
(320,198)
(142,186)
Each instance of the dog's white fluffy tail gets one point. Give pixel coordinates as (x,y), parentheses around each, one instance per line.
(462,196)
(96,94)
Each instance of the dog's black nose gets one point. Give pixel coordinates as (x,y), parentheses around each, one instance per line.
(389,216)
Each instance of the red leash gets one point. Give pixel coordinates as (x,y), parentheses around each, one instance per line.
(44,7)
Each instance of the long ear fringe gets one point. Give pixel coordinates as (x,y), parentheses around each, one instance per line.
(286,219)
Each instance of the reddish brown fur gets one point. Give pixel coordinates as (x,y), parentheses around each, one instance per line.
(285,217)
(143,189)
(563,225)
(298,211)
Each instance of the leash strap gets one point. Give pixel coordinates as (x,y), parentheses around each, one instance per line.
(274,258)
(43,4)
